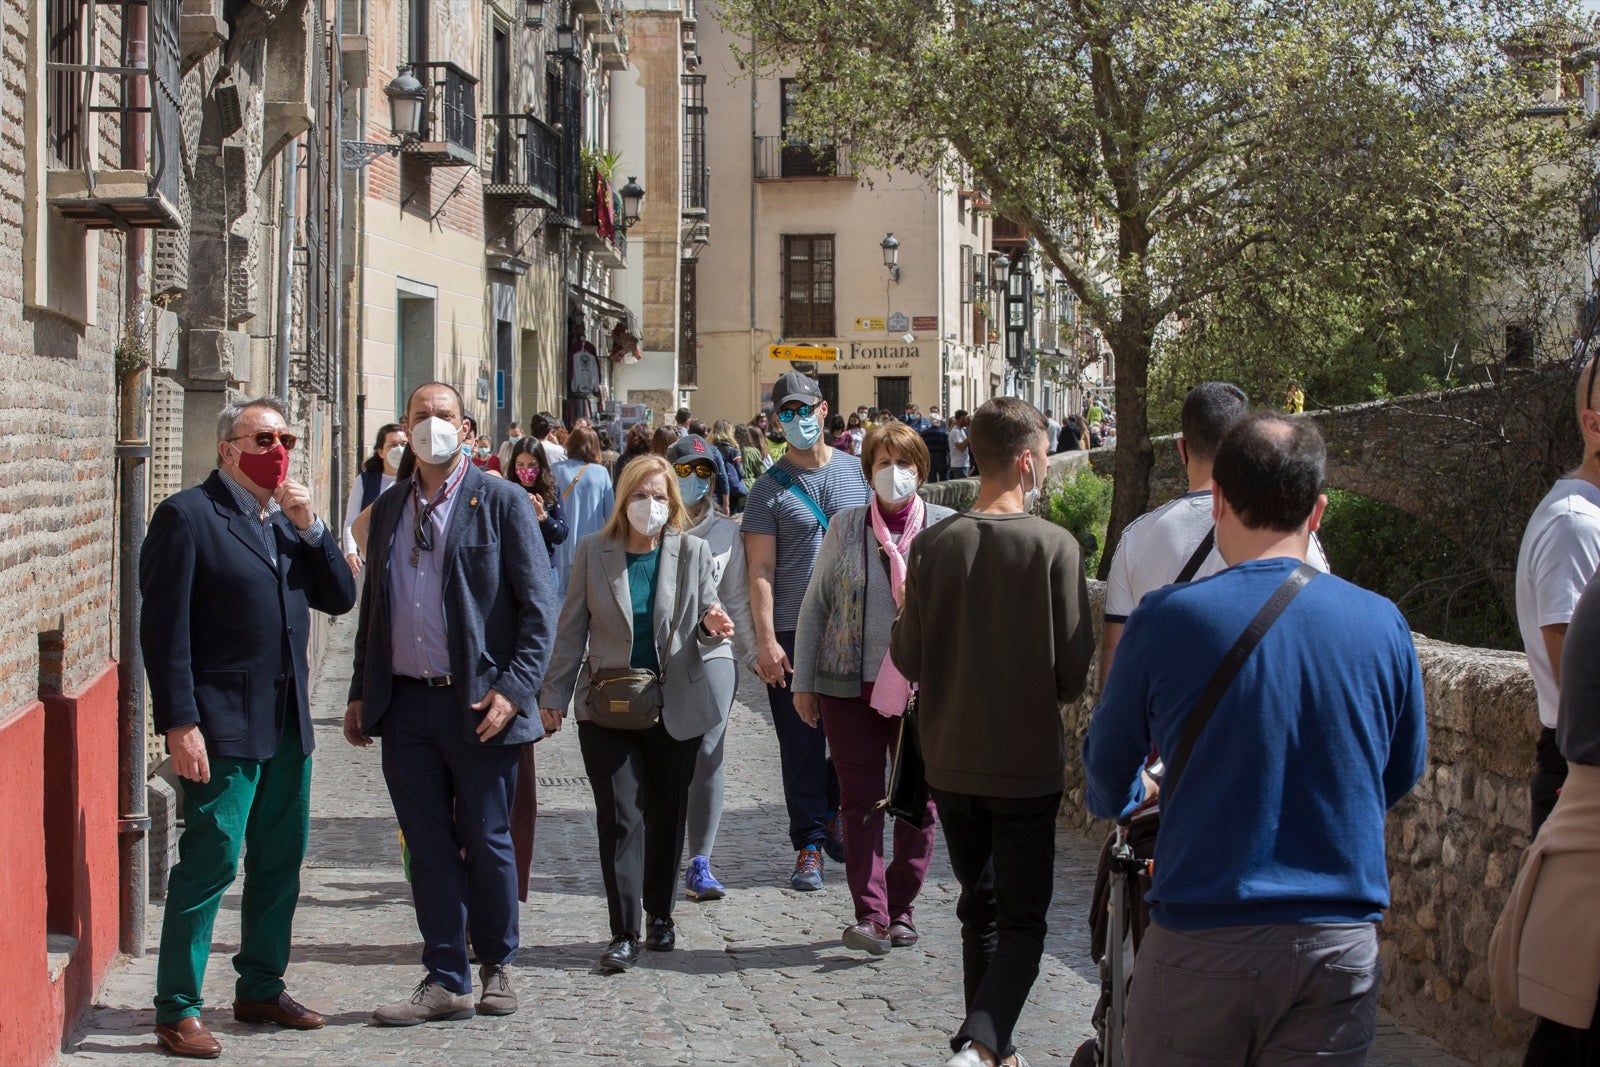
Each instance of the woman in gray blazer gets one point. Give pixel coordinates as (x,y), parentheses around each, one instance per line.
(643,595)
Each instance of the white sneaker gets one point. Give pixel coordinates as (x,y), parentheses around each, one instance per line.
(967,1057)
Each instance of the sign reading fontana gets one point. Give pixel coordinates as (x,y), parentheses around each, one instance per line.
(812,353)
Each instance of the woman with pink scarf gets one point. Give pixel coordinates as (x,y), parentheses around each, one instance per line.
(845,682)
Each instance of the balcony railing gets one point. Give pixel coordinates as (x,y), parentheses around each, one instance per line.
(76,185)
(449,133)
(522,161)
(780,157)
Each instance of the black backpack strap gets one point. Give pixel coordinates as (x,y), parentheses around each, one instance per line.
(1206,544)
(1211,696)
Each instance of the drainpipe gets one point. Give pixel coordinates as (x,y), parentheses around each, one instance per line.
(288,197)
(755,153)
(132,452)
(335,339)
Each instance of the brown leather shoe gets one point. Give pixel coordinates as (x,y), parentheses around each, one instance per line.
(285,1011)
(188,1037)
(902,934)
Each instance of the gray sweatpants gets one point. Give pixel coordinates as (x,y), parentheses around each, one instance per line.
(1254,996)
(705,793)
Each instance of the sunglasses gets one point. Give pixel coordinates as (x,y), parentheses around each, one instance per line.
(265,439)
(701,467)
(788,414)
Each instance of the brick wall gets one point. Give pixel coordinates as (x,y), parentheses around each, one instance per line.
(57,408)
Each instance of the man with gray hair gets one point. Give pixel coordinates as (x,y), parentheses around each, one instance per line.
(230,571)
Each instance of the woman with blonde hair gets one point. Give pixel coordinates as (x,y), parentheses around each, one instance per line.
(641,625)
(845,681)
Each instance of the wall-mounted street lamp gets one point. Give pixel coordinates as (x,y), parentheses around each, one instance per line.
(566,41)
(1000,273)
(407,97)
(891,255)
(632,201)
(533,14)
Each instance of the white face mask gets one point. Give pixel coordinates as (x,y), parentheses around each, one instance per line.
(648,516)
(1030,497)
(435,441)
(393,456)
(895,484)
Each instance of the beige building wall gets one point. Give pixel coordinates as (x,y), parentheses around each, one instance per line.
(895,339)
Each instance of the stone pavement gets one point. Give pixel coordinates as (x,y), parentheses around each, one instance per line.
(758,978)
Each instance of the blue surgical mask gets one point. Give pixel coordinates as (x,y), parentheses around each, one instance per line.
(693,489)
(803,432)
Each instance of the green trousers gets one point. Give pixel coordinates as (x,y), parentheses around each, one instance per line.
(264,806)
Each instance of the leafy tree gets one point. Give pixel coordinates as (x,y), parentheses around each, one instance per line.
(1174,159)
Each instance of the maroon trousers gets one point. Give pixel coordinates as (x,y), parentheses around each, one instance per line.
(861,744)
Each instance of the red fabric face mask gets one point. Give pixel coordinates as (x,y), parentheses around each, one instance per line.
(267,469)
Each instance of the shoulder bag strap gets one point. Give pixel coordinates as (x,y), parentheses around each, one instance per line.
(1206,544)
(1229,668)
(568,490)
(785,480)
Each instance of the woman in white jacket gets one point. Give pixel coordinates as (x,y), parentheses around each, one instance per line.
(696,473)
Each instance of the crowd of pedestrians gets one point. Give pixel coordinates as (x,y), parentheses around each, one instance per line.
(624,579)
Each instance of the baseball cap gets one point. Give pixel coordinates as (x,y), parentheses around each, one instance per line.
(689,446)
(794,386)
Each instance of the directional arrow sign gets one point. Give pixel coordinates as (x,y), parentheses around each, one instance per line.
(809,353)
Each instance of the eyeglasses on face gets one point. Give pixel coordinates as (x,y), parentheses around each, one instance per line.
(699,467)
(788,414)
(265,438)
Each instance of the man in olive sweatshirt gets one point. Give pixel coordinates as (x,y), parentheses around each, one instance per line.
(991,690)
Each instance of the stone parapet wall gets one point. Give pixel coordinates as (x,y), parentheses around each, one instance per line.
(1453,845)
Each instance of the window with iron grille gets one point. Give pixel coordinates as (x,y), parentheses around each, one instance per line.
(66,26)
(808,285)
(801,159)
(695,183)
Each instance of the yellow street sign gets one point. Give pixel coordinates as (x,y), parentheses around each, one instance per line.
(811,353)
(869,325)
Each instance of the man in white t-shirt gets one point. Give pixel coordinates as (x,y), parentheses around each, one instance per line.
(1560,553)
(1175,542)
(543,428)
(960,461)
(1052,428)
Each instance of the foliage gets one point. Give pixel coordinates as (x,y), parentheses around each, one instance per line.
(1082,505)
(1206,172)
(1442,593)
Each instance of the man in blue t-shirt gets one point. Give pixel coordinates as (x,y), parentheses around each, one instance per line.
(1269,867)
(785,516)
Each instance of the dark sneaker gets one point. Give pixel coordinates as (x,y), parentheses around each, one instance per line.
(833,843)
(496,997)
(699,883)
(429,1002)
(807,876)
(867,936)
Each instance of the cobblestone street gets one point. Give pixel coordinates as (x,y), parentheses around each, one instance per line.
(758,978)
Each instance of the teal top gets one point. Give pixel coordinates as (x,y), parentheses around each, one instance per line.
(642,590)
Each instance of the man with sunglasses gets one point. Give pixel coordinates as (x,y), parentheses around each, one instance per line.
(229,572)
(1560,552)
(785,516)
(457,625)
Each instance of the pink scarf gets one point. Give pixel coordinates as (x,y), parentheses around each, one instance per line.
(891,691)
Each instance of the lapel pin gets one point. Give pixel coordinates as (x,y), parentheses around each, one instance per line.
(472,503)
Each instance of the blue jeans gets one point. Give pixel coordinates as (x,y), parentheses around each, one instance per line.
(1263,996)
(810,787)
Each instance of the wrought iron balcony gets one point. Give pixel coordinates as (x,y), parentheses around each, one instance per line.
(781,157)
(76,186)
(522,161)
(449,133)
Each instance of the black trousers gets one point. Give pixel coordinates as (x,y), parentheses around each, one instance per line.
(640,780)
(1003,853)
(1549,775)
(1556,1045)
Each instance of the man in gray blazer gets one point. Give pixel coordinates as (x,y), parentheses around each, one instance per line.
(457,622)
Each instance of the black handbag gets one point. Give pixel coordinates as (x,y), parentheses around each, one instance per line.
(625,698)
(907,798)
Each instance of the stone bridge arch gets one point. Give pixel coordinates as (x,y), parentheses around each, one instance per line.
(1471,461)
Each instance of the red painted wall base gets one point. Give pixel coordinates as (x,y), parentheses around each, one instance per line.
(58,862)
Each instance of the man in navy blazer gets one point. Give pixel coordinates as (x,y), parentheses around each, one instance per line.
(230,571)
(457,626)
